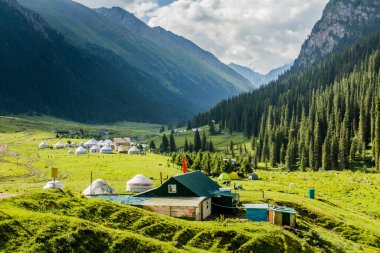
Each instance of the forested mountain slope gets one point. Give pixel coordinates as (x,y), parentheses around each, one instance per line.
(41,71)
(326,116)
(198,84)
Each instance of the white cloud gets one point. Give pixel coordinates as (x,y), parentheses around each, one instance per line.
(258,33)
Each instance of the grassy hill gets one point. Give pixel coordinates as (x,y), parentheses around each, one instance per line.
(344,217)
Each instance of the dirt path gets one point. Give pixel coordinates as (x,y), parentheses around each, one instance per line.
(6,195)
(32,171)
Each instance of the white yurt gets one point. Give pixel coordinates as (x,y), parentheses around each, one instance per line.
(106,150)
(73,144)
(80,150)
(94,149)
(134,151)
(90,143)
(53,184)
(108,142)
(71,152)
(59,145)
(99,187)
(67,145)
(139,183)
(101,143)
(43,145)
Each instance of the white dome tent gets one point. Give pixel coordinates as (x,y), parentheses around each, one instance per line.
(99,187)
(80,150)
(59,145)
(94,149)
(108,142)
(134,151)
(90,143)
(53,184)
(43,145)
(139,183)
(106,150)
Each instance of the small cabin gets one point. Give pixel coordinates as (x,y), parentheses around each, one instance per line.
(283,216)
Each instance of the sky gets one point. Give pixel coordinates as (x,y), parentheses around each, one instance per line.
(260,34)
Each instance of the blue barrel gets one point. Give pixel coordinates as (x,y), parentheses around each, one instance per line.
(311,193)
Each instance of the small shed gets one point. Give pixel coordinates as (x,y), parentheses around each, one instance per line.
(139,183)
(233,175)
(283,216)
(134,151)
(80,150)
(257,212)
(224,177)
(253,176)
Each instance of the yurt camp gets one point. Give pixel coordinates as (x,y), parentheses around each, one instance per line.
(139,183)
(43,145)
(99,187)
(134,151)
(106,150)
(80,150)
(59,145)
(95,149)
(90,143)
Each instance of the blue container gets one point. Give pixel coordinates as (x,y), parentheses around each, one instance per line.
(311,193)
(257,212)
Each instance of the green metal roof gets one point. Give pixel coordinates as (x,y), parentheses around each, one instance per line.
(198,183)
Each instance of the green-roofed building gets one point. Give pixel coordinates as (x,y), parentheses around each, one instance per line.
(195,184)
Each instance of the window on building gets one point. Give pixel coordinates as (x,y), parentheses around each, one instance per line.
(172,188)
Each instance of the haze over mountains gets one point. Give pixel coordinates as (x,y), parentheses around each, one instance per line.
(258,79)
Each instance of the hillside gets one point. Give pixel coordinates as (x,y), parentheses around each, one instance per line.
(42,71)
(322,117)
(173,43)
(176,74)
(342,24)
(258,79)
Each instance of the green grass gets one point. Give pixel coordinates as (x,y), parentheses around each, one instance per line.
(344,217)
(55,221)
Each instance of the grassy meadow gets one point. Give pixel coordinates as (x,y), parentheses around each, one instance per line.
(344,216)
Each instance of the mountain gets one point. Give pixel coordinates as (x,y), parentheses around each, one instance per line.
(42,71)
(258,79)
(343,22)
(174,43)
(198,84)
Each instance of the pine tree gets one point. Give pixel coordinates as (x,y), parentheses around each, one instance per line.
(197,142)
(282,154)
(186,146)
(211,147)
(232,148)
(164,147)
(172,145)
(188,128)
(152,145)
(204,142)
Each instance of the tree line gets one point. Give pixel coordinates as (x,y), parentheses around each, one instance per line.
(324,117)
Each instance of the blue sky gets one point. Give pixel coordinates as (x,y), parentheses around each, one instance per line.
(260,34)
